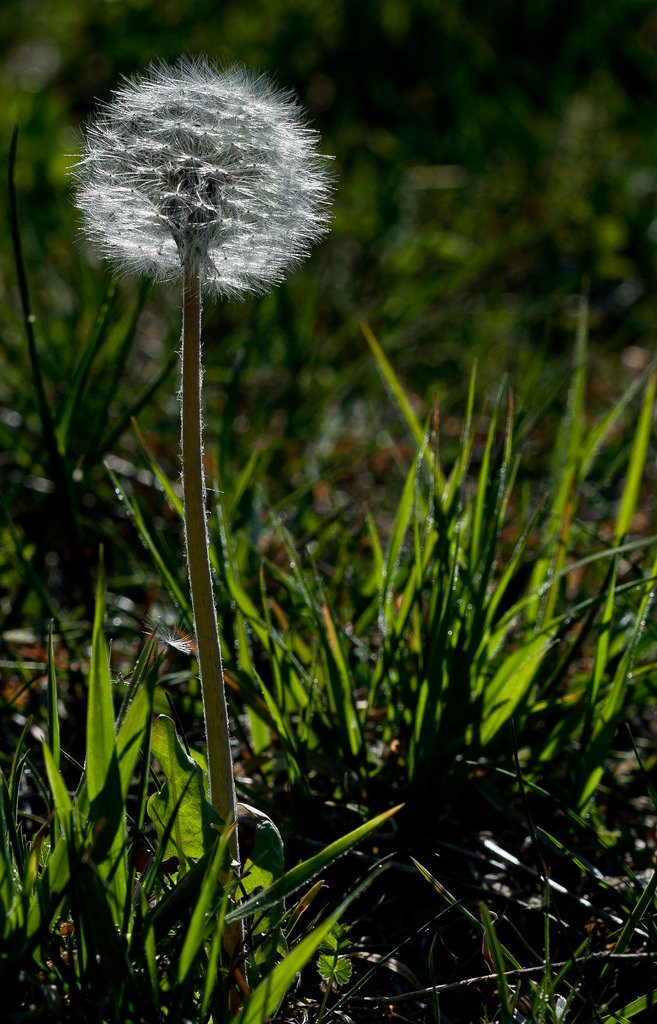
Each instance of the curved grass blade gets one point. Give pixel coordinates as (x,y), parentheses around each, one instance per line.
(637,461)
(267,997)
(307,870)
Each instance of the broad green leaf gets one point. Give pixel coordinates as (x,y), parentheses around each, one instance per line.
(196,824)
(337,970)
(265,862)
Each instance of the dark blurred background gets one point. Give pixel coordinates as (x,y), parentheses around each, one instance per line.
(491,158)
(493,162)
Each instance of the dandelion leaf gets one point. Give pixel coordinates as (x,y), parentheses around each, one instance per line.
(259,834)
(196,823)
(262,841)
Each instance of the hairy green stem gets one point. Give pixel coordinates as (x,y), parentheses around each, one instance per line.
(220,762)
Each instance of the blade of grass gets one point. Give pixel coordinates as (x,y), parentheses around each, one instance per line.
(164,572)
(308,869)
(53,712)
(637,461)
(267,997)
(202,919)
(103,777)
(391,379)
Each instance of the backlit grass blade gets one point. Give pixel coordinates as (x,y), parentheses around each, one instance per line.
(477,528)
(146,667)
(400,527)
(103,777)
(61,799)
(625,1013)
(497,956)
(610,707)
(53,711)
(202,918)
(165,573)
(245,479)
(133,729)
(9,872)
(600,430)
(340,688)
(644,906)
(510,686)
(637,461)
(565,474)
(307,870)
(601,655)
(267,997)
(447,492)
(170,492)
(391,379)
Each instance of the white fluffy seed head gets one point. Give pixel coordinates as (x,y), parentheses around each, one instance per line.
(212,169)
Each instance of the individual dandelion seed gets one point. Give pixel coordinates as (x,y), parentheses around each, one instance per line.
(211,178)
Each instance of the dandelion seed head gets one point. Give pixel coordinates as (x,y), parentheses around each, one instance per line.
(212,169)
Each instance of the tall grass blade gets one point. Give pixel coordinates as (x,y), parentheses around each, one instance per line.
(203,919)
(62,801)
(166,575)
(267,997)
(103,777)
(53,711)
(391,379)
(308,869)
(637,461)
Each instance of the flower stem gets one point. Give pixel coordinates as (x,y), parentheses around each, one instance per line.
(220,762)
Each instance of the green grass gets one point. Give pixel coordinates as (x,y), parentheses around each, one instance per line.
(435,582)
(473,645)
